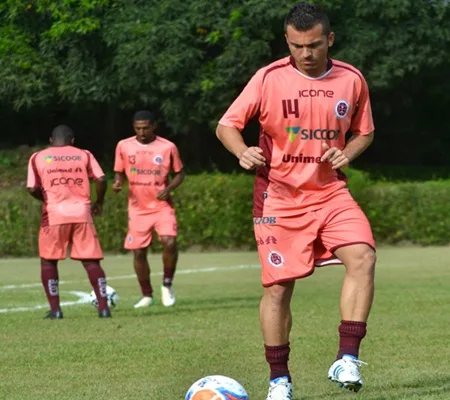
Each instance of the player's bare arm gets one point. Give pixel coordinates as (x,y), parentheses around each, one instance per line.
(119,179)
(176,181)
(231,138)
(36,193)
(356,145)
(100,188)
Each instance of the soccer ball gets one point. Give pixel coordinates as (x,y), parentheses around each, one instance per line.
(113,297)
(216,387)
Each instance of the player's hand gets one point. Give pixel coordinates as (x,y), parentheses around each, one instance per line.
(336,157)
(252,158)
(163,195)
(117,186)
(97,209)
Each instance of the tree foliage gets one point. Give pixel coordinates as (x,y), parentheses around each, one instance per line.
(188,59)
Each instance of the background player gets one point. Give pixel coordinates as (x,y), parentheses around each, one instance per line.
(147,161)
(306,103)
(59,177)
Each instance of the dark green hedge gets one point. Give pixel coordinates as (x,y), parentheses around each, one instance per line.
(214,212)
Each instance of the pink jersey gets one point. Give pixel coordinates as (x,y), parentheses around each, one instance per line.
(147,167)
(63,173)
(297,114)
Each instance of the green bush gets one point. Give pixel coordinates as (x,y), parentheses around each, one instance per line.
(215,212)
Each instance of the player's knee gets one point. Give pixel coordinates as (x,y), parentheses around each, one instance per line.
(169,243)
(279,294)
(140,254)
(364,262)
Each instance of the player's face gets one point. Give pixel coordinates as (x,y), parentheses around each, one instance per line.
(145,131)
(309,49)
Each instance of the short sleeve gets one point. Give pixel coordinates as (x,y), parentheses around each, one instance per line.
(118,160)
(362,121)
(177,164)
(247,104)
(93,168)
(33,178)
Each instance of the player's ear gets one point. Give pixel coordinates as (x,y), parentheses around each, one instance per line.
(331,38)
(72,141)
(50,139)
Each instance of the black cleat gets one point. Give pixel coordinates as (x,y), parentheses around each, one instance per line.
(54,314)
(106,313)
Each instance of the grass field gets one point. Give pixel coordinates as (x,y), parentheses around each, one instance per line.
(157,353)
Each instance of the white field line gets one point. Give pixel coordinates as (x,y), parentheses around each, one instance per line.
(133,276)
(82,299)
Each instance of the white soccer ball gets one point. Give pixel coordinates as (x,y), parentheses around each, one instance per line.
(113,297)
(216,387)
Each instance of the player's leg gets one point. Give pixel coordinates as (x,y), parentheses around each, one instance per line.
(53,242)
(170,257)
(166,227)
(87,249)
(138,239)
(276,324)
(347,233)
(285,251)
(142,269)
(50,279)
(356,296)
(97,277)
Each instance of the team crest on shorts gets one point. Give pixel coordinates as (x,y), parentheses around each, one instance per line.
(341,109)
(158,160)
(275,259)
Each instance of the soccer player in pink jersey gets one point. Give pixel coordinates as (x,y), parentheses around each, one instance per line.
(303,213)
(147,160)
(59,177)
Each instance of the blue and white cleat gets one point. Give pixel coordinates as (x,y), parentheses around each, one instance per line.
(345,373)
(280,389)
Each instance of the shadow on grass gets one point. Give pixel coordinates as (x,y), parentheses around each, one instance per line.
(194,306)
(431,388)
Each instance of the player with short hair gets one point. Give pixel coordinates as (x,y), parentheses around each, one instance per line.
(306,103)
(59,177)
(147,161)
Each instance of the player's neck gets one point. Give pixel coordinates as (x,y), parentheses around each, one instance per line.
(60,144)
(318,72)
(146,142)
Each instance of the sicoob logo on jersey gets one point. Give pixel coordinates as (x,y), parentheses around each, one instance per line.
(341,109)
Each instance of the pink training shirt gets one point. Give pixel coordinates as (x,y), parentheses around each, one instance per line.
(63,173)
(147,167)
(297,114)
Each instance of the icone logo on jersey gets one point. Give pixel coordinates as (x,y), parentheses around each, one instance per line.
(49,159)
(138,171)
(69,182)
(312,134)
(315,93)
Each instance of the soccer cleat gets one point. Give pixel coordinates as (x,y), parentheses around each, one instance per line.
(54,314)
(105,313)
(168,296)
(345,373)
(280,389)
(144,302)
